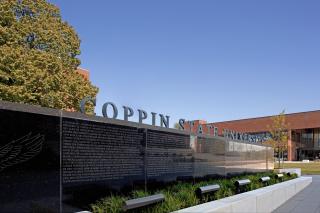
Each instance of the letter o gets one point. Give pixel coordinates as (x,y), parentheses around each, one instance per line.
(105,112)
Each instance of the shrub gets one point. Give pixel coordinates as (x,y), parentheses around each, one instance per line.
(179,195)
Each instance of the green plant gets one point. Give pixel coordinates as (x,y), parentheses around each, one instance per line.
(139,194)
(227,189)
(179,195)
(112,204)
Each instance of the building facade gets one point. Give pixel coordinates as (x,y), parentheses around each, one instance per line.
(303,131)
(83,72)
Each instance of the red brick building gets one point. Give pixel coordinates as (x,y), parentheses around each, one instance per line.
(304,132)
(83,72)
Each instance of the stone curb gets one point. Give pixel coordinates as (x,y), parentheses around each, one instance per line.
(263,200)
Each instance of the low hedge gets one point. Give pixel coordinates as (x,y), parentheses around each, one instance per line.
(181,195)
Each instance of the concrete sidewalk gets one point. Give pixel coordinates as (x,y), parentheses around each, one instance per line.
(306,201)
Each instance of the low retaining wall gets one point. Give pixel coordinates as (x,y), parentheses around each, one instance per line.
(265,199)
(291,170)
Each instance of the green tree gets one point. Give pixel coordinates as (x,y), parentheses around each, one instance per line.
(279,135)
(177,126)
(38,57)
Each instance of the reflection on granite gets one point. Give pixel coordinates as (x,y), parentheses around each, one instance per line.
(76,159)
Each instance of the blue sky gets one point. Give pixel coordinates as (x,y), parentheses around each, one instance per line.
(214,60)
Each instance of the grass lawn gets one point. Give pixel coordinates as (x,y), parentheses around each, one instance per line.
(312,168)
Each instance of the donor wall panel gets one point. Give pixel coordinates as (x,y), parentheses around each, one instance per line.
(256,158)
(270,158)
(94,152)
(29,160)
(169,156)
(209,156)
(98,159)
(235,157)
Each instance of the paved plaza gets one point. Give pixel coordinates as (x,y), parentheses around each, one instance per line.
(306,201)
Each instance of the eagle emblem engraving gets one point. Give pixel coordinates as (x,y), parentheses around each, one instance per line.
(20,150)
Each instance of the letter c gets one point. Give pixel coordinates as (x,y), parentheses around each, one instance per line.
(84,101)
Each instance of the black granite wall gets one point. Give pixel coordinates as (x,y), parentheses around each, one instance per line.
(55,161)
(94,152)
(29,162)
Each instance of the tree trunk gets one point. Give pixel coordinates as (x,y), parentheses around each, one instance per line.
(282,154)
(279,154)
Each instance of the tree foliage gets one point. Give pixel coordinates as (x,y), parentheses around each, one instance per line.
(279,134)
(38,56)
(177,126)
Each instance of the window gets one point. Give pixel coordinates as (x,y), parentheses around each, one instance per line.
(316,136)
(307,137)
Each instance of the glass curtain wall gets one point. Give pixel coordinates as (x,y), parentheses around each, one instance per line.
(308,144)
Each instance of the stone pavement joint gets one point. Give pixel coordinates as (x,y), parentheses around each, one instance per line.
(306,201)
